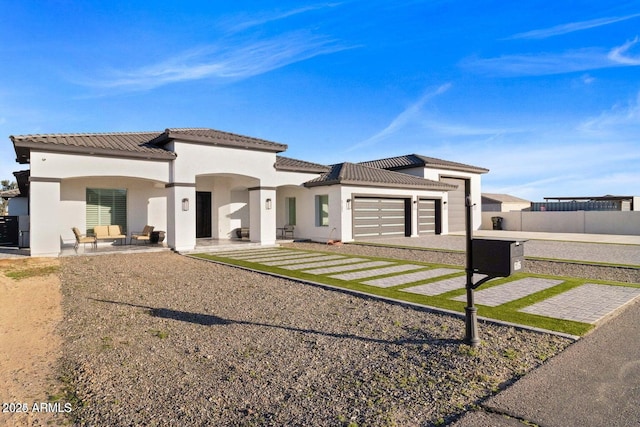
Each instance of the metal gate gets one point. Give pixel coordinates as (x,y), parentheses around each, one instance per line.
(9,231)
(375,216)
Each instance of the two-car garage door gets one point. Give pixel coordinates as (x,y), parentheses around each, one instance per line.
(378,216)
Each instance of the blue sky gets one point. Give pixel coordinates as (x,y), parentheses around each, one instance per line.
(545,94)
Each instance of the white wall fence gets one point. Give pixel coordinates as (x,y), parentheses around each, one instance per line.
(589,222)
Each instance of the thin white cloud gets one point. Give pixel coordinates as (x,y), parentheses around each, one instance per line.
(542,63)
(456,129)
(231,61)
(402,119)
(241,23)
(621,55)
(619,119)
(571,27)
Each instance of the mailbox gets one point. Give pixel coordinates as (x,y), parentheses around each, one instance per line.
(499,258)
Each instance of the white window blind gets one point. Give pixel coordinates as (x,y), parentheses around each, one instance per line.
(106,206)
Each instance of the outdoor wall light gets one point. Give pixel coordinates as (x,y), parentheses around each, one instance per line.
(348,204)
(267,204)
(185,204)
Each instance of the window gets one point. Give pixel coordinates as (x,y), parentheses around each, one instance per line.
(106,206)
(290,209)
(322,210)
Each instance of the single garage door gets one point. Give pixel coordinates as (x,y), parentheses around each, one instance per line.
(456,204)
(428,216)
(375,216)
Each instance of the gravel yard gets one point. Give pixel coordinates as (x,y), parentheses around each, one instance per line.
(162,339)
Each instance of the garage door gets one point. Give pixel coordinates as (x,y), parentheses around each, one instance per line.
(456,204)
(428,220)
(374,217)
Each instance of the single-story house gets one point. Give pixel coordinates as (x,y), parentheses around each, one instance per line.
(197,183)
(492,202)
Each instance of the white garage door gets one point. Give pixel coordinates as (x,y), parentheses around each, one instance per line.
(427,219)
(456,204)
(374,217)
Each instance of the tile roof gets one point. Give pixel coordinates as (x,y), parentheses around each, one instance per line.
(417,160)
(295,165)
(148,145)
(125,144)
(358,174)
(216,137)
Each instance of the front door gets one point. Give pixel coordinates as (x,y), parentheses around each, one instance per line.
(203,214)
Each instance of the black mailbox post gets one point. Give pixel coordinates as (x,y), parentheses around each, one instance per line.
(498,258)
(493,258)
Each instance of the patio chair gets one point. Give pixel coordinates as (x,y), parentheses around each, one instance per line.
(288,230)
(144,235)
(84,239)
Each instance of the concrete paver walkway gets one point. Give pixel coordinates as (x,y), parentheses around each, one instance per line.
(588,303)
(511,291)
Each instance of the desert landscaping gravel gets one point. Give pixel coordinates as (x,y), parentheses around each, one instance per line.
(163,339)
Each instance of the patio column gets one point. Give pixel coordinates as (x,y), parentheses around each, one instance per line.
(262,214)
(181,216)
(44,216)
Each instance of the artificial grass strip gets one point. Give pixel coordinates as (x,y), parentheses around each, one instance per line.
(507,312)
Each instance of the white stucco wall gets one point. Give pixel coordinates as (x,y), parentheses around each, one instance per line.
(590,222)
(476,188)
(60,165)
(202,159)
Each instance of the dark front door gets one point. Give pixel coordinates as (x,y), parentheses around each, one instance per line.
(203,214)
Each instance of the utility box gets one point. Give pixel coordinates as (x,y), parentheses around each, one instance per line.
(500,258)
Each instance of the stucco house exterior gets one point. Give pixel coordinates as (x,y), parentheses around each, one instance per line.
(199,183)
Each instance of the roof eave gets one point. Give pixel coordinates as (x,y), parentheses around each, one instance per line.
(23,151)
(379,184)
(458,169)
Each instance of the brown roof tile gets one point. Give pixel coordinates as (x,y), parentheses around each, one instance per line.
(358,174)
(216,137)
(148,145)
(295,165)
(125,144)
(417,160)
